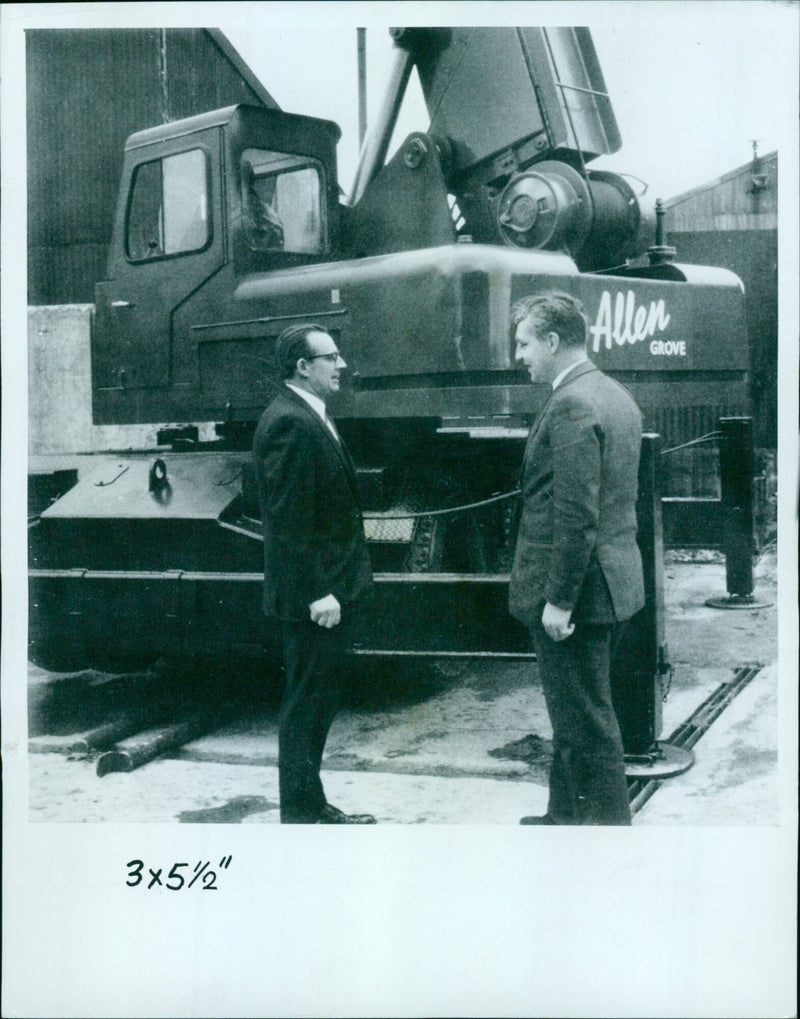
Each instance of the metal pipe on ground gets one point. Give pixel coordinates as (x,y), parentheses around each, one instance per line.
(110,732)
(132,753)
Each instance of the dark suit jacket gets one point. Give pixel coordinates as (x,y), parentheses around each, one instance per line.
(576,545)
(314,542)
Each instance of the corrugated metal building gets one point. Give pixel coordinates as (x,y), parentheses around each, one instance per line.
(87,90)
(733,222)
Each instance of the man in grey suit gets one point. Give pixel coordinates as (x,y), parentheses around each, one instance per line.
(577,572)
(316,564)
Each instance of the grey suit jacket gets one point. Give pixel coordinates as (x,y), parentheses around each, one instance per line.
(314,542)
(576,545)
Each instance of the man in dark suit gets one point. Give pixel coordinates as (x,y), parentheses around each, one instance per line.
(316,565)
(577,572)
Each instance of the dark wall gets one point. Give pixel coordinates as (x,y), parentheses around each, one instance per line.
(87,90)
(753,256)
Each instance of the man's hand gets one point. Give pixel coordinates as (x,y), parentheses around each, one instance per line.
(326,611)
(556,622)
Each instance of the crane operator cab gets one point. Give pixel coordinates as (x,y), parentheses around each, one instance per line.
(204,203)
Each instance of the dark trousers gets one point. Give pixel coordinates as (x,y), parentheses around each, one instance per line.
(312,658)
(587,776)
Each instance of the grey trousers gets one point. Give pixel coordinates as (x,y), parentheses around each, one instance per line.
(587,776)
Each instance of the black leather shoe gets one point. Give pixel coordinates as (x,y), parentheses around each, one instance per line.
(544,819)
(332,815)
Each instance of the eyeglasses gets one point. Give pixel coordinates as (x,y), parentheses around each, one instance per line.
(332,357)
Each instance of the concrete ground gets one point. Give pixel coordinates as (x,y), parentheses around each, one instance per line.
(466,745)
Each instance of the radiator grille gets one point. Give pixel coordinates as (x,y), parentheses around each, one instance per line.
(237,370)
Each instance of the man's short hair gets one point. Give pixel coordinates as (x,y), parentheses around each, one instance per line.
(554,312)
(292,344)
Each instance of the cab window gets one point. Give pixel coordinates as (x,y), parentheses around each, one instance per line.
(282,202)
(168,211)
